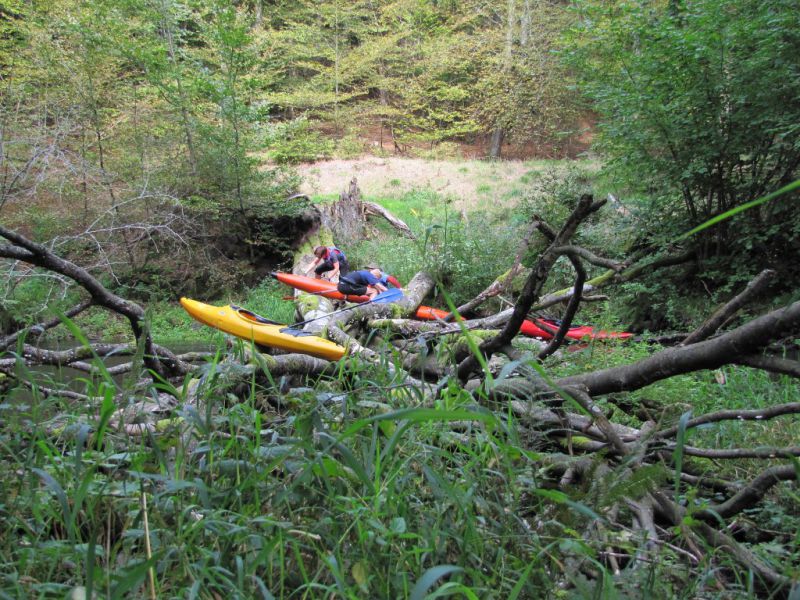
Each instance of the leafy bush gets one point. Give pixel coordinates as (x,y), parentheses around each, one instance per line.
(293,142)
(699,115)
(439,151)
(350,146)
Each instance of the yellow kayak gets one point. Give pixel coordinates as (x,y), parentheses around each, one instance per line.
(250,326)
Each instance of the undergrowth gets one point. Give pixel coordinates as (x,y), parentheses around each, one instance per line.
(343,486)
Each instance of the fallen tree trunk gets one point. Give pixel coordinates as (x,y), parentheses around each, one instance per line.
(346,219)
(711,354)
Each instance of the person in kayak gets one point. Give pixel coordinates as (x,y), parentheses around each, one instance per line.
(331,260)
(385,278)
(361,283)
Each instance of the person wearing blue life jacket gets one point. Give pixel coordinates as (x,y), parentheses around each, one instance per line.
(385,278)
(331,260)
(361,283)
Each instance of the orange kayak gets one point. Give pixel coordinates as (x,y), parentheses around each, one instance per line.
(320,287)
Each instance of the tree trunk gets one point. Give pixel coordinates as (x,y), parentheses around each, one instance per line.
(496,143)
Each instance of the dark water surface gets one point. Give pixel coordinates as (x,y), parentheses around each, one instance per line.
(75,380)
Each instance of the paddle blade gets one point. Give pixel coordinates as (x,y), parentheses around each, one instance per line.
(392,295)
(296,332)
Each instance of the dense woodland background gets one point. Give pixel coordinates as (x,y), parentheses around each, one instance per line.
(157,146)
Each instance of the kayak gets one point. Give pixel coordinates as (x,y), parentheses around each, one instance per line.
(252,327)
(546,329)
(322,287)
(319,287)
(539,328)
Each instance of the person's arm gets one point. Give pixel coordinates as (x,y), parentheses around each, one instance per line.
(313,264)
(374,282)
(335,271)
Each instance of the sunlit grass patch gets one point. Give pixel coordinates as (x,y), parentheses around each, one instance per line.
(270,299)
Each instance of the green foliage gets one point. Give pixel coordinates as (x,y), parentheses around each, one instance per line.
(268,299)
(699,105)
(292,142)
(264,495)
(523,88)
(422,72)
(349,146)
(120,112)
(260,512)
(554,192)
(440,151)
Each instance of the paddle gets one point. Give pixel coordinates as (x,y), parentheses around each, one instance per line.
(320,293)
(392,295)
(250,315)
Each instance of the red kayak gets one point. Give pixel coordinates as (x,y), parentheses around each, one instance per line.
(319,287)
(538,328)
(546,329)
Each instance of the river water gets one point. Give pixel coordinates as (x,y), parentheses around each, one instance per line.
(53,377)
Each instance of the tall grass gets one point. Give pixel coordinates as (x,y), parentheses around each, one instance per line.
(336,487)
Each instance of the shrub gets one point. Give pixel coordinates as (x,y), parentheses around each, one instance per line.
(294,142)
(699,115)
(350,146)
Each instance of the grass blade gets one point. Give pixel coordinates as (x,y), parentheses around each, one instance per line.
(429,578)
(680,442)
(747,205)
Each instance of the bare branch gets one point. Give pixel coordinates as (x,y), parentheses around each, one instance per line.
(40,256)
(755,287)
(773,364)
(533,285)
(40,328)
(709,354)
(762,414)
(371,208)
(675,514)
(749,495)
(755,453)
(591,258)
(599,418)
(572,308)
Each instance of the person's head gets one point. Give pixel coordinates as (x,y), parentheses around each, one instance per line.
(375,271)
(319,251)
